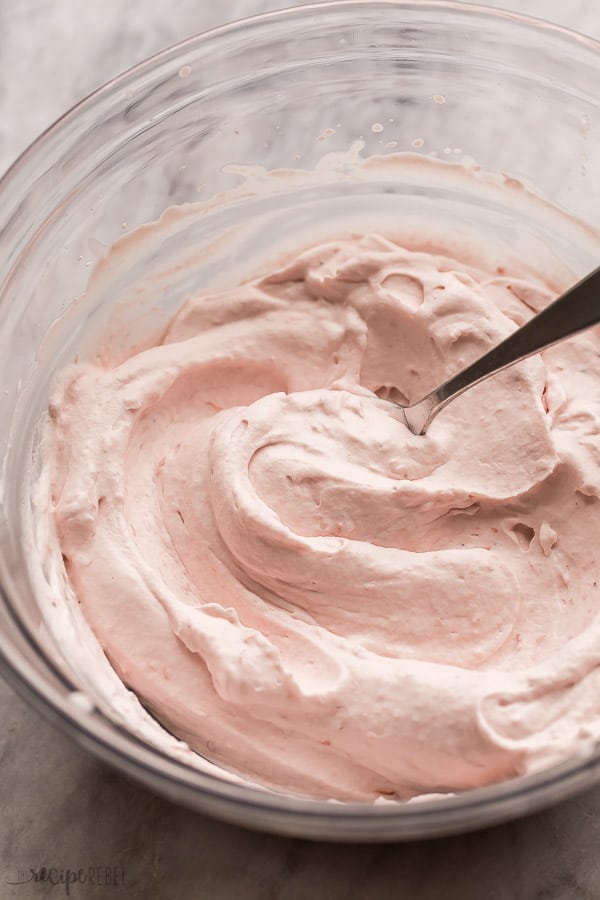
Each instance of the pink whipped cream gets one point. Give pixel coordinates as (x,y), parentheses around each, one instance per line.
(297,586)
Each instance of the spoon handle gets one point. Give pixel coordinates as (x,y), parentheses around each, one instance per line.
(574,311)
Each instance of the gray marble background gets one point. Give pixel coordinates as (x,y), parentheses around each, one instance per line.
(58,806)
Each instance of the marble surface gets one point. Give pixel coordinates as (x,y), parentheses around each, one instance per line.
(58,806)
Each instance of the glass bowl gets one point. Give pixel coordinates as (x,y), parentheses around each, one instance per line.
(455,82)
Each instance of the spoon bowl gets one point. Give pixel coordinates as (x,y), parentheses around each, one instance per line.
(574,311)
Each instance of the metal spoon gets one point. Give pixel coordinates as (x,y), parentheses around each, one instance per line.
(574,311)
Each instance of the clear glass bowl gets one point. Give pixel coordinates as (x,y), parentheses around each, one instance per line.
(452,80)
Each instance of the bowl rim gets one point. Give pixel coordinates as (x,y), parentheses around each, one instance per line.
(144,761)
(173,50)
